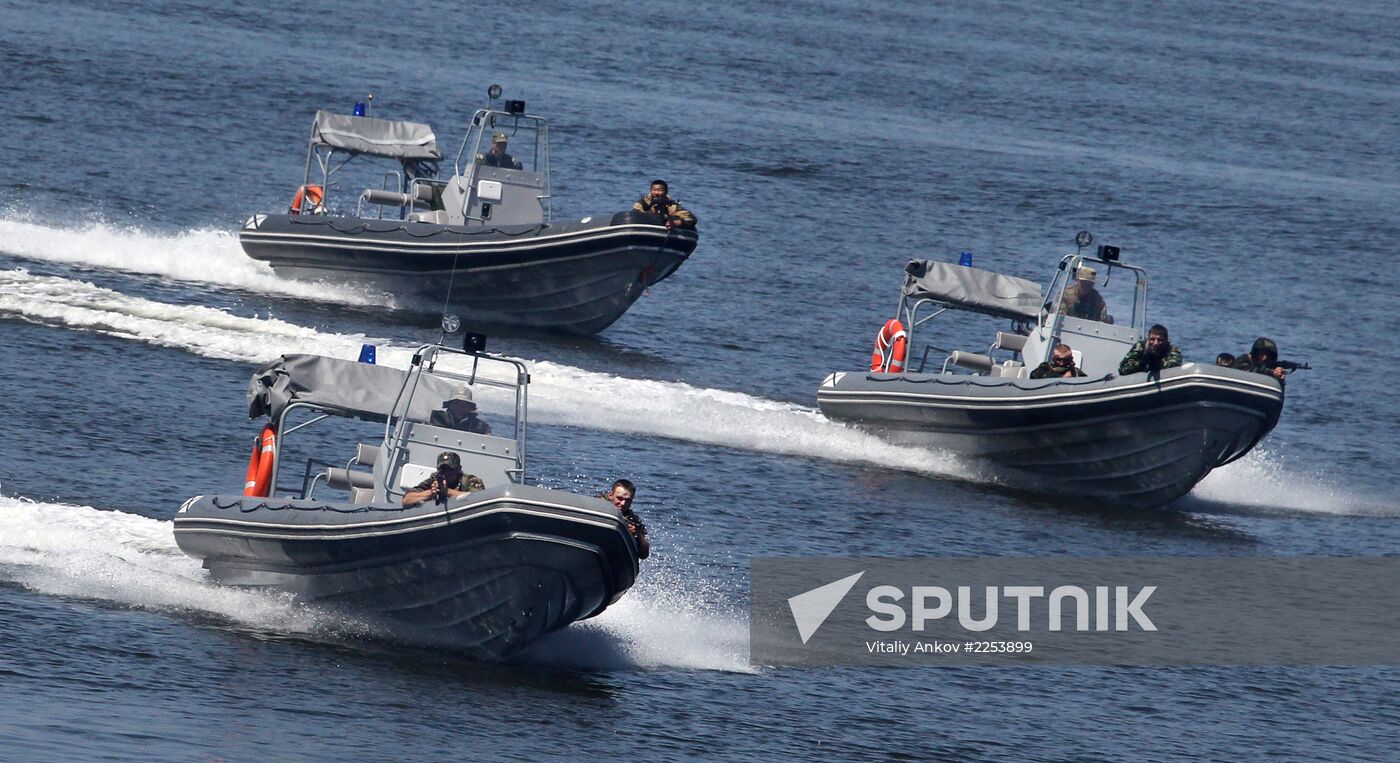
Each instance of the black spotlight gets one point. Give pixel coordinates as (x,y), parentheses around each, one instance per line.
(1108,253)
(515,107)
(474,342)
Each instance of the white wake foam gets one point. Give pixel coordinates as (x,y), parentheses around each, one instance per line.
(666,620)
(559,394)
(130,560)
(566,395)
(205,256)
(1263,482)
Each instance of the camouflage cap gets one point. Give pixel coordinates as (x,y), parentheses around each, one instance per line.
(1086,274)
(499,137)
(1265,345)
(448,458)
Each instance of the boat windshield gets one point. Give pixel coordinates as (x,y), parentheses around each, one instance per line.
(507,141)
(1099,291)
(476,394)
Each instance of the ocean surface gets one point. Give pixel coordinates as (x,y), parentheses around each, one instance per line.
(1244,153)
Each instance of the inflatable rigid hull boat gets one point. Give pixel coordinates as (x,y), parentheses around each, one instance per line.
(487,571)
(578,277)
(478,238)
(488,574)
(1135,440)
(1127,440)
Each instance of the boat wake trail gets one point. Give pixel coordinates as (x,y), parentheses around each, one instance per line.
(131,560)
(1262,482)
(559,394)
(205,256)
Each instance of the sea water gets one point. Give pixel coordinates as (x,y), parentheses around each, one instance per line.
(1243,155)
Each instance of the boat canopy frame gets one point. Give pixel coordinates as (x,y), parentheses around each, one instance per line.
(940,287)
(412,144)
(1072,262)
(399,418)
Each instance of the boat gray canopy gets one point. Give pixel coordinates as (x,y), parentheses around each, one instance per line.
(405,141)
(973,289)
(360,390)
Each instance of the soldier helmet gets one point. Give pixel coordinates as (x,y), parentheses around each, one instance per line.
(448,458)
(499,137)
(1265,346)
(1086,274)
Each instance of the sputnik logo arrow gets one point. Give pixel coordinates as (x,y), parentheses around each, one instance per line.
(811,608)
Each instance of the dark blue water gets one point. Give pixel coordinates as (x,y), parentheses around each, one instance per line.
(1244,155)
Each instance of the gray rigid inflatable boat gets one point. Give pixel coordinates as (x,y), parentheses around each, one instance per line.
(1137,440)
(479,240)
(487,573)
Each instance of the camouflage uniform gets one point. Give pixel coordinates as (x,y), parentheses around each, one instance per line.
(1088,305)
(468,482)
(668,208)
(634,526)
(1263,344)
(1047,371)
(468,423)
(503,160)
(1132,362)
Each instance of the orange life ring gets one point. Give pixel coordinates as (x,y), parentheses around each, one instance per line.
(259,477)
(314,194)
(891,348)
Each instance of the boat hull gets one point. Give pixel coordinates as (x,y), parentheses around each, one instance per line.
(578,277)
(1129,441)
(487,576)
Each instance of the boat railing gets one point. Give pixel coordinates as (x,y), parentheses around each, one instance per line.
(391,181)
(1012,341)
(319,414)
(397,429)
(473,206)
(429,191)
(1100,343)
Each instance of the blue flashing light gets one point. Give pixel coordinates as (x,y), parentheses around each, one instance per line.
(367,353)
(359,108)
(965,260)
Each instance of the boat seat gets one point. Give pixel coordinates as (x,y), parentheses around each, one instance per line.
(973,361)
(439,217)
(1010,369)
(345,479)
(1009,341)
(366,455)
(392,198)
